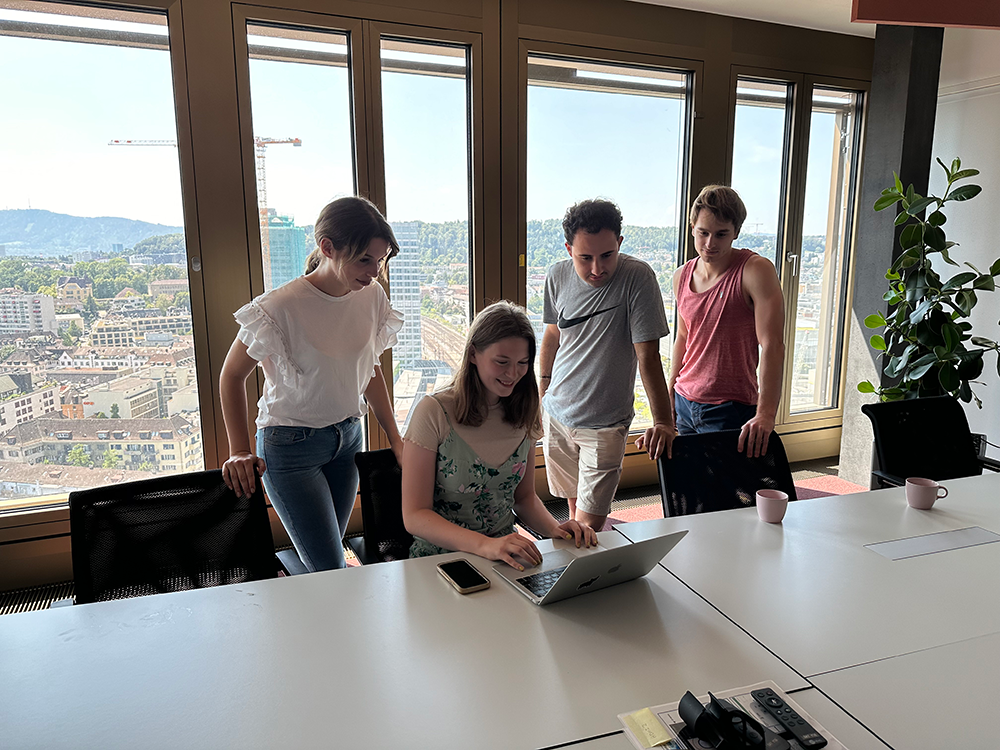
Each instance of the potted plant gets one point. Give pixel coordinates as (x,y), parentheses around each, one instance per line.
(927,344)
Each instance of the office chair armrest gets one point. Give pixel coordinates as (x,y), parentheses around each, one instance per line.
(990,463)
(888,480)
(357,545)
(289,561)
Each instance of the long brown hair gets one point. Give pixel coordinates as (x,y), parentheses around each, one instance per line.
(350,224)
(501,320)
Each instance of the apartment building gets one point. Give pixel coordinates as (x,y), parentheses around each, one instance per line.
(21,312)
(125,398)
(158,445)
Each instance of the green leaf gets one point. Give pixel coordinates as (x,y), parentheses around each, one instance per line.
(945,168)
(918,314)
(918,206)
(875,320)
(994,269)
(885,201)
(936,219)
(934,237)
(897,183)
(948,378)
(918,371)
(964,193)
(944,253)
(878,342)
(971,367)
(981,341)
(892,297)
(866,387)
(965,300)
(910,236)
(952,337)
(958,280)
(956,164)
(901,218)
(985,282)
(965,391)
(973,268)
(911,194)
(892,275)
(963,174)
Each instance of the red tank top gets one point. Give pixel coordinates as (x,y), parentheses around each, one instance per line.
(720,361)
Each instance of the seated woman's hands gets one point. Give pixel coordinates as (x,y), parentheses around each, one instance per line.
(581,533)
(507,548)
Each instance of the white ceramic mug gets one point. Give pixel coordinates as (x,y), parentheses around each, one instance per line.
(921,493)
(771,505)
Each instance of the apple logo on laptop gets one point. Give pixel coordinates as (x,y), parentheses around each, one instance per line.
(585,584)
(615,569)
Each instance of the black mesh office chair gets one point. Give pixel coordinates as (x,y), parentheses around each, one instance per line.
(172,533)
(923,437)
(707,473)
(385,537)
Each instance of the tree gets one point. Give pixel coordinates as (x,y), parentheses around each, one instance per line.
(115,413)
(182,299)
(112,459)
(163,302)
(100,415)
(78,456)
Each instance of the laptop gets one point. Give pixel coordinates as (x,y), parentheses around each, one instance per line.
(561,574)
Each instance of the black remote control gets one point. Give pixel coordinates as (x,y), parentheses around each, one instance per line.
(801,729)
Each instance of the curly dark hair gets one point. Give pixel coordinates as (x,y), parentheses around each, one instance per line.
(592,216)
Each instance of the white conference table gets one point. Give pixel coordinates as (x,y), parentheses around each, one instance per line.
(944,697)
(810,591)
(381,656)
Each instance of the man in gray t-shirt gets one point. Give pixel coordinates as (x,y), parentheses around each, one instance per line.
(604,318)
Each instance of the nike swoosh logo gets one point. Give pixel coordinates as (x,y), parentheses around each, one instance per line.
(570,322)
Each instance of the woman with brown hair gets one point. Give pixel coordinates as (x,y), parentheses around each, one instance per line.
(318,339)
(469,451)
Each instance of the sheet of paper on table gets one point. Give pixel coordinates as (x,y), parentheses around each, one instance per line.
(657,726)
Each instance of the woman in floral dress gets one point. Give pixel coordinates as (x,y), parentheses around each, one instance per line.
(469,451)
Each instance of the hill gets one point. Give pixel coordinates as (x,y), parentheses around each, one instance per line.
(34,231)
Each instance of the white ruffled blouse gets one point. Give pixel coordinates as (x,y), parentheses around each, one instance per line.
(318,352)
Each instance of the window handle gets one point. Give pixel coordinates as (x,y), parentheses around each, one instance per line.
(793,258)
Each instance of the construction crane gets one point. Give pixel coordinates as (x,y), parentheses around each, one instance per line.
(260,145)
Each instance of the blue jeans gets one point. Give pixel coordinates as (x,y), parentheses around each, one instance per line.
(693,417)
(312,481)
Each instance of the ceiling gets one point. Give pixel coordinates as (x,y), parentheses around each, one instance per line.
(825,15)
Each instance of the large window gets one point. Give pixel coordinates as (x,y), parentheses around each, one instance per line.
(820,278)
(97,363)
(303,151)
(425,126)
(598,130)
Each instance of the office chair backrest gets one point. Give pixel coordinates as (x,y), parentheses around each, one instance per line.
(386,538)
(707,473)
(923,437)
(167,534)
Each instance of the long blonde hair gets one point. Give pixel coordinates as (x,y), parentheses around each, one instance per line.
(501,320)
(350,224)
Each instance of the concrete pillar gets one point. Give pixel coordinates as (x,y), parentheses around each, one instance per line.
(899,136)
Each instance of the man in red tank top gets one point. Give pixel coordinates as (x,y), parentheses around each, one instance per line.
(729,304)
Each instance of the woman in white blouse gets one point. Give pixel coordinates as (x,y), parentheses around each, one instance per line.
(318,339)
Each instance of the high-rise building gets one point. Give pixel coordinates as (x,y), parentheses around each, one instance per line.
(404,291)
(21,312)
(288,248)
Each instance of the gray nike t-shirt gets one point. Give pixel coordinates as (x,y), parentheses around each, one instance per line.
(593,379)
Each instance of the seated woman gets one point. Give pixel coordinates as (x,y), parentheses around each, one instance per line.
(469,451)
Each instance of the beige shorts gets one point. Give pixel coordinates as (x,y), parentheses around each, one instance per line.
(584,463)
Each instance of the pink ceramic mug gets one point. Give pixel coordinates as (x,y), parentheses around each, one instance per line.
(921,493)
(771,505)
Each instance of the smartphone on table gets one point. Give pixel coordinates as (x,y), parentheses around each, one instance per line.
(463,576)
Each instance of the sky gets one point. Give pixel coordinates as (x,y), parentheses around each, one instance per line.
(70,99)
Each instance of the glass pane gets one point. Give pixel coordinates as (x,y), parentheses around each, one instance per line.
(608,131)
(301,108)
(819,313)
(97,369)
(759,148)
(425,116)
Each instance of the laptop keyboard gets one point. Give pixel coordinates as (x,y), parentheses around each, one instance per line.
(540,583)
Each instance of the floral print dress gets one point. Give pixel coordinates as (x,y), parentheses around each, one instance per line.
(471,493)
